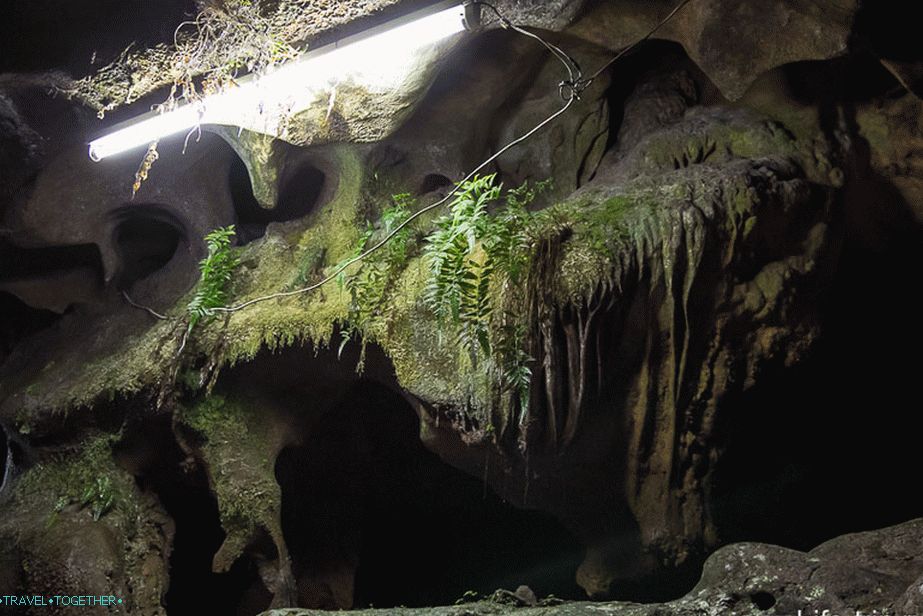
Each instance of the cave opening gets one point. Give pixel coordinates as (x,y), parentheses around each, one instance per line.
(19,321)
(151,452)
(652,77)
(823,448)
(146,238)
(371,515)
(198,537)
(300,192)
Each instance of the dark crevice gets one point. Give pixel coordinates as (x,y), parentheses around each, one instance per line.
(855,78)
(300,191)
(26,262)
(833,433)
(151,452)
(251,218)
(198,536)
(145,238)
(14,460)
(650,67)
(880,27)
(19,321)
(432,182)
(362,497)
(4,450)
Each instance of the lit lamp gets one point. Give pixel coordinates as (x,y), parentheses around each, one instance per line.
(376,58)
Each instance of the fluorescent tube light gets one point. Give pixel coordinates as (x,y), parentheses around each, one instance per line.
(377,59)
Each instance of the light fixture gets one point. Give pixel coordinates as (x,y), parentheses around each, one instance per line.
(375,59)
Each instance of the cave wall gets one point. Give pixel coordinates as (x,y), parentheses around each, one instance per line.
(717,201)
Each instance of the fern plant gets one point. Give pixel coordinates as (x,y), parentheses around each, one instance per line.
(216,271)
(368,286)
(460,267)
(474,256)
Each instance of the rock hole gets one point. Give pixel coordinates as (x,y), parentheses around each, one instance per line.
(300,193)
(373,518)
(19,321)
(648,87)
(432,182)
(145,238)
(763,600)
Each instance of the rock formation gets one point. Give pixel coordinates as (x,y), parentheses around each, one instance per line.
(704,188)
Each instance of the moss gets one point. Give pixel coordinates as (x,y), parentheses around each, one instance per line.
(280,261)
(426,358)
(596,229)
(598,233)
(236,449)
(96,370)
(875,128)
(713,138)
(88,479)
(599,236)
(309,267)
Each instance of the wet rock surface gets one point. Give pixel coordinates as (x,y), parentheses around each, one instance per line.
(705,192)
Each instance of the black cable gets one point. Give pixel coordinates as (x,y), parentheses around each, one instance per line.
(150,311)
(570,90)
(571,87)
(624,51)
(575,83)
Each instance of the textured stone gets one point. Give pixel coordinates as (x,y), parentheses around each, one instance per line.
(893,129)
(864,572)
(732,42)
(97,201)
(679,258)
(48,520)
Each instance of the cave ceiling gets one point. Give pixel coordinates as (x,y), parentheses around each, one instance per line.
(735,201)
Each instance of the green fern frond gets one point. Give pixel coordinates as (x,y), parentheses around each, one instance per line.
(216,270)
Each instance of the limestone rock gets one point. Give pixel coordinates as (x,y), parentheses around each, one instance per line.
(682,255)
(80,508)
(865,572)
(732,42)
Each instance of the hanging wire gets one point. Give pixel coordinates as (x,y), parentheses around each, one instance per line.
(570,90)
(631,47)
(150,311)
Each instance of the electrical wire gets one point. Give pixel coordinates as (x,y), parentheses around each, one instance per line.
(570,90)
(151,311)
(571,87)
(404,224)
(631,47)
